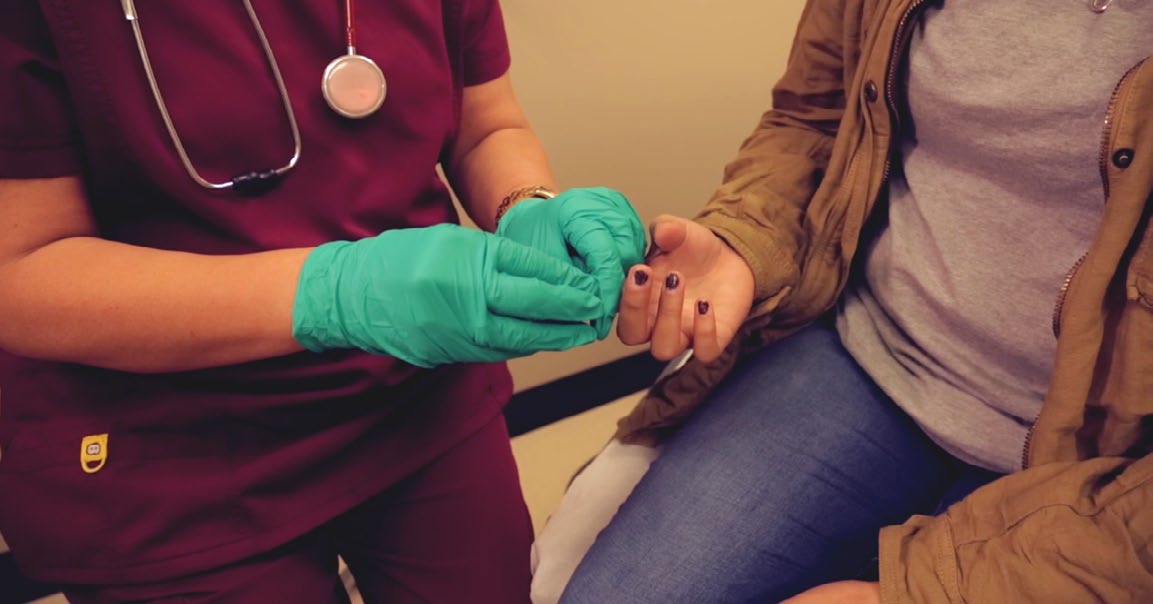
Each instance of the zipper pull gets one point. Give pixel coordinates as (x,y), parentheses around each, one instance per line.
(1099,6)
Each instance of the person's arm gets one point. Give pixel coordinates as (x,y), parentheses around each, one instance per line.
(67,295)
(496,151)
(758,212)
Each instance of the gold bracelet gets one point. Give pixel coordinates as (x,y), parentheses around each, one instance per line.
(538,191)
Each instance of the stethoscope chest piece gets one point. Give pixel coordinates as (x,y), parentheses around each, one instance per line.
(354,86)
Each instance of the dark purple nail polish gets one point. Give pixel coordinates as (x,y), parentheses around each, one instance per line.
(702,307)
(640,278)
(672,281)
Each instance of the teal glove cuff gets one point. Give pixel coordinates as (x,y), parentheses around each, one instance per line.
(313,324)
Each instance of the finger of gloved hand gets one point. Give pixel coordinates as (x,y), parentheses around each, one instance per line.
(612,210)
(596,247)
(630,238)
(521,337)
(631,249)
(601,259)
(518,260)
(527,298)
(602,200)
(603,325)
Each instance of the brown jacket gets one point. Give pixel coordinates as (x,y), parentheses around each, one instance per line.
(1077,525)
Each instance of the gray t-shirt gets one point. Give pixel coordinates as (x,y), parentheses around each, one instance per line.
(997,196)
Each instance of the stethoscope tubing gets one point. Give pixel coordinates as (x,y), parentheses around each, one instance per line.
(243,181)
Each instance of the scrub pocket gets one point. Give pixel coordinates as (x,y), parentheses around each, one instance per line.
(82,501)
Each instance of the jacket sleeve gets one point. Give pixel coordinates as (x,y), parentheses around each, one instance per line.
(759,206)
(1077,532)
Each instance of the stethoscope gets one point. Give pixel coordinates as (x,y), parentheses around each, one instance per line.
(353,86)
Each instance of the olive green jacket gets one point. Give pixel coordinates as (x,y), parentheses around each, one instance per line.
(1077,525)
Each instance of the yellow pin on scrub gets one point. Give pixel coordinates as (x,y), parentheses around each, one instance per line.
(93,453)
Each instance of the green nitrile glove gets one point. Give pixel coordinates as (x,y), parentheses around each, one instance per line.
(596,229)
(443,294)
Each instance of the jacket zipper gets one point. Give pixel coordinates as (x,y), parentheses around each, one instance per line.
(1061,295)
(900,42)
(1103,165)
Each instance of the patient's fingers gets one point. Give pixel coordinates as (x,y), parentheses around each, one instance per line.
(706,347)
(669,339)
(635,321)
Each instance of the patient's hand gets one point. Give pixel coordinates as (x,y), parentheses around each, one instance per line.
(689,269)
(844,592)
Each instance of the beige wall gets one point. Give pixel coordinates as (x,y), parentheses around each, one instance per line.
(649,97)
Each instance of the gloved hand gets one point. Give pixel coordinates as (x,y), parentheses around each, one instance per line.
(443,294)
(596,229)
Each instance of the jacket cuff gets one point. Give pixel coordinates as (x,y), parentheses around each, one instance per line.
(918,564)
(772,268)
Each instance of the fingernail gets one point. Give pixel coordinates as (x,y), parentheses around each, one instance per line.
(702,307)
(640,277)
(672,281)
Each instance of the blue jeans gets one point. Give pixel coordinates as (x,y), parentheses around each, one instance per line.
(779,483)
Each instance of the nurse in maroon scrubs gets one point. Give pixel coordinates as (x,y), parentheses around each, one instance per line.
(240,333)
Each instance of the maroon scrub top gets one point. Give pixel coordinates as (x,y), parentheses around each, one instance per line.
(207,467)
